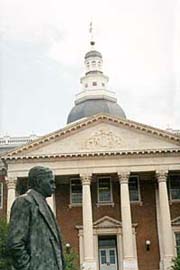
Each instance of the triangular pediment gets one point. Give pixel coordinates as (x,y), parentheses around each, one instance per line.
(106,222)
(97,134)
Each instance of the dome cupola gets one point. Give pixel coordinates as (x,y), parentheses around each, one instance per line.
(94,97)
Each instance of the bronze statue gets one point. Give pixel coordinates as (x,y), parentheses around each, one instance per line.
(34,241)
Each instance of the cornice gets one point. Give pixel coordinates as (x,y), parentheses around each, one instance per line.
(71,128)
(148,152)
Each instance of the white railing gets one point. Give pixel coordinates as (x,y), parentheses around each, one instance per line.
(174,131)
(10,141)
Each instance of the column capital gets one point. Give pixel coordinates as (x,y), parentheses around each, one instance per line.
(85,179)
(124,177)
(161,175)
(11,182)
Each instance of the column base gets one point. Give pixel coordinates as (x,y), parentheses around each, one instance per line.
(89,265)
(130,264)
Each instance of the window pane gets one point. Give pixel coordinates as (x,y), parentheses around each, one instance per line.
(112,256)
(104,196)
(76,191)
(133,189)
(178,243)
(103,256)
(76,198)
(175,187)
(76,188)
(104,190)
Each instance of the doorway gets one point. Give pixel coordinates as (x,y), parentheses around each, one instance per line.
(107,246)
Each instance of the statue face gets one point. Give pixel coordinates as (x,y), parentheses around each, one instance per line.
(47,184)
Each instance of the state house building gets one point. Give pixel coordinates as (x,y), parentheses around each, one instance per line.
(117,194)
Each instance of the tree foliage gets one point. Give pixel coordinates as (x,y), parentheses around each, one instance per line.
(71,259)
(176,263)
(4,259)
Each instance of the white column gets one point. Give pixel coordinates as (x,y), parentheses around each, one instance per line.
(89,260)
(165,221)
(129,259)
(11,193)
(51,202)
(81,249)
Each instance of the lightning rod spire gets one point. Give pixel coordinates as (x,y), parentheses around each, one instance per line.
(91,31)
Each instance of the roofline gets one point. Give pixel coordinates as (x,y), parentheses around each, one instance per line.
(142,152)
(71,127)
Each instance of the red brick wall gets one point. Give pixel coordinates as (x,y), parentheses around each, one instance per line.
(67,217)
(111,211)
(144,215)
(3,211)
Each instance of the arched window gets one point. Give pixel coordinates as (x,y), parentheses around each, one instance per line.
(93,63)
(99,64)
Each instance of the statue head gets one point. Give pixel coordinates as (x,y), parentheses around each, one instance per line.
(42,180)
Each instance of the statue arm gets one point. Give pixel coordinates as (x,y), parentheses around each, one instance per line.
(18,237)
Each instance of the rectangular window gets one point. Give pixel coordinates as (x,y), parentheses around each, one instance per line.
(177,235)
(1,195)
(103,256)
(104,190)
(134,191)
(174,187)
(76,191)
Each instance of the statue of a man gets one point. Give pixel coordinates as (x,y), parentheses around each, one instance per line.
(34,240)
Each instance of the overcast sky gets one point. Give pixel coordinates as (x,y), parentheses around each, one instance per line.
(43,43)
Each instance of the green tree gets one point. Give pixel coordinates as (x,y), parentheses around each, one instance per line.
(4,259)
(71,259)
(176,263)
(70,255)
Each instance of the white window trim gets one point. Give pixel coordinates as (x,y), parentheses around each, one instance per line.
(71,203)
(1,191)
(115,231)
(176,229)
(99,203)
(139,192)
(169,187)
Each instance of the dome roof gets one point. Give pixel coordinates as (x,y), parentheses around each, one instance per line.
(93,106)
(93,53)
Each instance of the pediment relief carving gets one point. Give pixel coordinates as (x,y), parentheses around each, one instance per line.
(176,221)
(103,138)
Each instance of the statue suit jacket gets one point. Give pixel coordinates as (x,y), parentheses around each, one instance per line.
(34,240)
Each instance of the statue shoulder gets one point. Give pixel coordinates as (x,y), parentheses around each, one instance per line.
(25,199)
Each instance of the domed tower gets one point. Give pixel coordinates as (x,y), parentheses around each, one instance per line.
(94,97)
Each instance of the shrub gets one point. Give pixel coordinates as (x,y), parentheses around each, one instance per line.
(71,259)
(176,263)
(4,259)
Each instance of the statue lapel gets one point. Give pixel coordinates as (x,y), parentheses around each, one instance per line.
(43,211)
